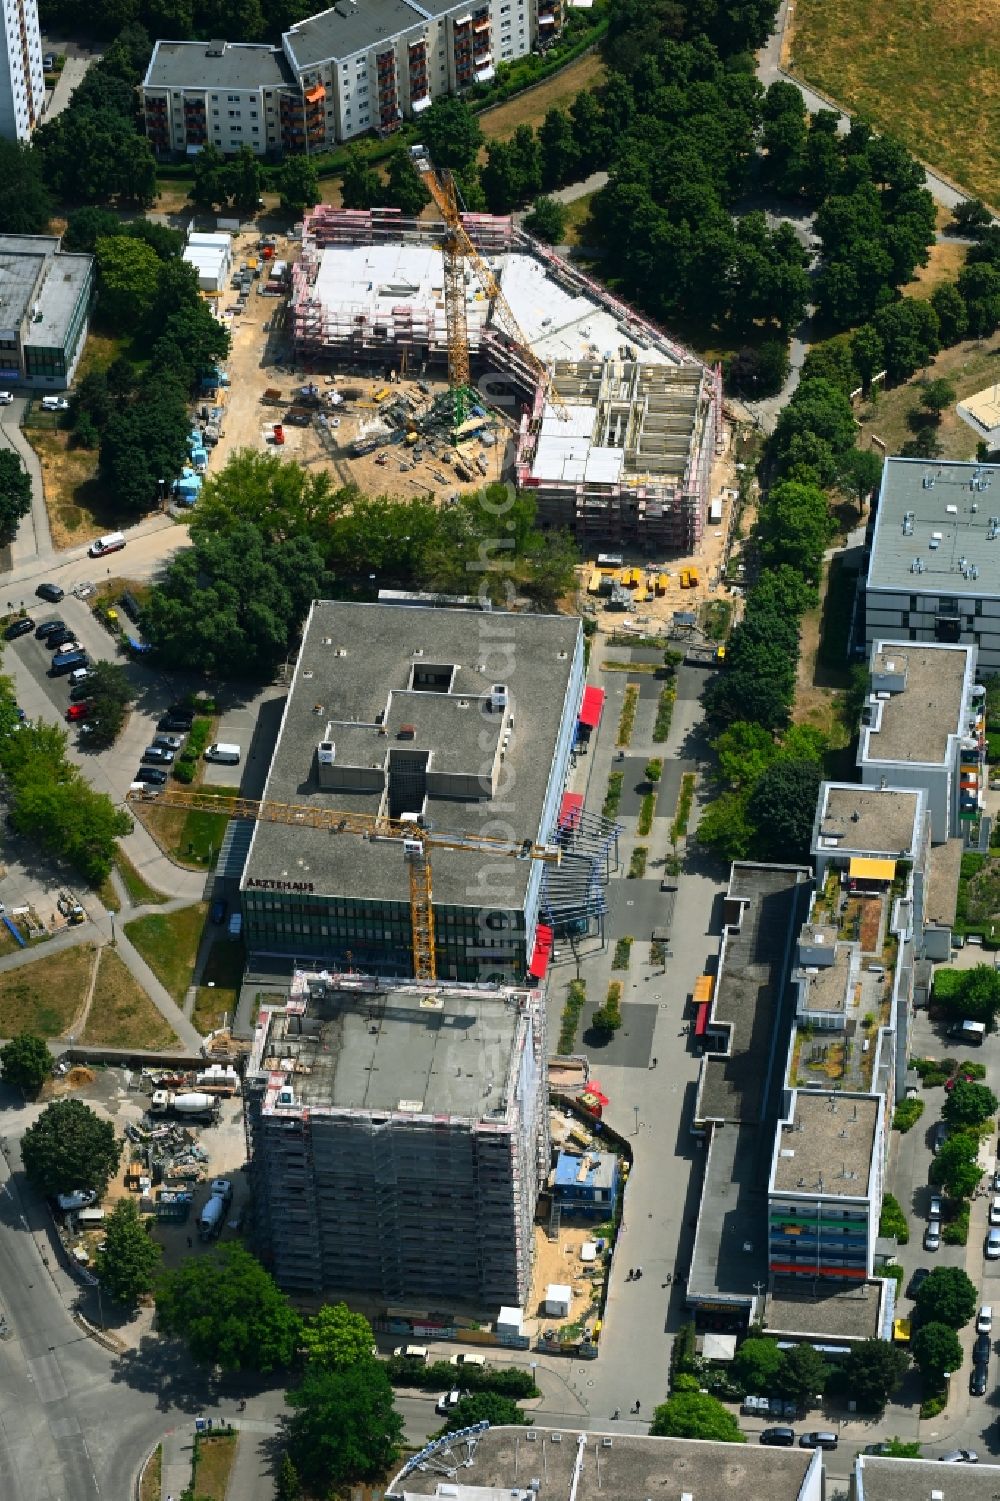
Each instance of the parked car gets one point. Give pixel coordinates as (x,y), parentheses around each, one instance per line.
(168,742)
(476,1360)
(79,693)
(57,638)
(993,1244)
(152,775)
(916,1282)
(217,913)
(173,722)
(448,1400)
(932,1236)
(878,1449)
(158,756)
(49,61)
(6,398)
(49,628)
(778,1438)
(939,1136)
(819,1438)
(77,711)
(984,1323)
(52,592)
(79,1198)
(54,404)
(995,1210)
(959,1457)
(978,1378)
(935,1210)
(21,627)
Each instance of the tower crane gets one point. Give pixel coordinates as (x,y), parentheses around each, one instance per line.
(459,250)
(415,839)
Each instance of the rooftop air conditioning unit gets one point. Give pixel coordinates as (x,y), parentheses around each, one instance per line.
(498,697)
(327,753)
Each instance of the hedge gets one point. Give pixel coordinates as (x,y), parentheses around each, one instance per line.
(571,1015)
(506,1381)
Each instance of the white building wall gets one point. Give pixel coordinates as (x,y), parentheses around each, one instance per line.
(22,83)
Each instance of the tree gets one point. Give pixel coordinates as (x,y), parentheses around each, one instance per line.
(25,205)
(405,187)
(110,695)
(971,216)
(803,1375)
(744,751)
(128,1263)
(361,186)
(725,827)
(501,178)
(335,1337)
(15,495)
(936,1349)
(26,1062)
(955,1167)
(70,1147)
(343,1427)
(953,318)
(231,604)
(867,353)
(873,1371)
(979,995)
(144,443)
(127,271)
(93,154)
(758,370)
(900,1448)
(821,415)
(909,333)
(488,1407)
(947,1296)
(289,1486)
(756,1366)
(832,360)
(782,807)
(85,226)
(451,133)
(244,179)
(230,1311)
(784,138)
(208,186)
(969,1104)
(560,156)
(695,1415)
(859,474)
(297,181)
(795,526)
(979,287)
(547,220)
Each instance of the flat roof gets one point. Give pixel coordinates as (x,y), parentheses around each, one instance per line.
(65,281)
(20,270)
(915,725)
(844,1313)
(944,867)
(913,513)
(347,28)
(213,66)
(878,1479)
(501,1462)
(749,990)
(351,687)
(855,819)
(982,413)
(430,1049)
(827,1145)
(824,986)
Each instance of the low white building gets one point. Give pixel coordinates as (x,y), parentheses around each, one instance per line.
(211,254)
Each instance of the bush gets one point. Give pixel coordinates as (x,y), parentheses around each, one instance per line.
(614,794)
(608,1018)
(682,817)
(893,1220)
(184,770)
(623,953)
(570,1019)
(896,1273)
(956,1231)
(637,862)
(646,810)
(933,1405)
(908,1112)
(664,712)
(626,723)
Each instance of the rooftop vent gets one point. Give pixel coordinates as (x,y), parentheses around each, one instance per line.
(498,697)
(215,48)
(431,1003)
(411,1107)
(326,753)
(406,732)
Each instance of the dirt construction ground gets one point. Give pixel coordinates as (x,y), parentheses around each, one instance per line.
(261,360)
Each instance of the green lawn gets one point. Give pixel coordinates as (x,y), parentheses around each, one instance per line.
(926,70)
(223,975)
(43,997)
(169,944)
(191,837)
(139,890)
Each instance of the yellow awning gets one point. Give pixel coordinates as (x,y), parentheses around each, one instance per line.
(862,868)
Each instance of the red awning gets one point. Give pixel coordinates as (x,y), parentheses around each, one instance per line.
(570,809)
(701,1019)
(592,707)
(542,952)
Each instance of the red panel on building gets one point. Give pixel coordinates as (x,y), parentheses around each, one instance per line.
(542,952)
(701,1019)
(570,809)
(592,707)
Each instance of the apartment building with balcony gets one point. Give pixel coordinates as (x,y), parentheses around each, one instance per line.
(22,81)
(348,70)
(225,94)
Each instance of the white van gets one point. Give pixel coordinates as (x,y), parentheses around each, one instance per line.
(113,542)
(228,755)
(411,1352)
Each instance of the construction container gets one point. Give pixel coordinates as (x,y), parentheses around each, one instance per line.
(380,394)
(662,579)
(685,579)
(694,578)
(703,987)
(594,586)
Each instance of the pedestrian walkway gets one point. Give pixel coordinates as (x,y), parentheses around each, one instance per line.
(175,1472)
(33,541)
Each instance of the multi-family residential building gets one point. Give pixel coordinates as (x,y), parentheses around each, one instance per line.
(923,725)
(45,301)
(934,571)
(362,65)
(22,82)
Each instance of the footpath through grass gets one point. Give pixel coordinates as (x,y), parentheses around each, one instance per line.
(121,1014)
(926,70)
(168,941)
(43,997)
(213,1460)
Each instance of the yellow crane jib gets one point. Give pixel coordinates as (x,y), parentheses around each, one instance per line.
(458,249)
(416,840)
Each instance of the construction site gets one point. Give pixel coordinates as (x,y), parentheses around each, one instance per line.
(613,425)
(397,1136)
